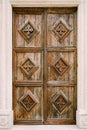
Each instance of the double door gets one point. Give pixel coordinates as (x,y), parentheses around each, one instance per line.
(44,65)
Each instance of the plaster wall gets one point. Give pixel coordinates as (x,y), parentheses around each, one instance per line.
(6,113)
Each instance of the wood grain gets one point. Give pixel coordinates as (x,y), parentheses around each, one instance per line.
(47,83)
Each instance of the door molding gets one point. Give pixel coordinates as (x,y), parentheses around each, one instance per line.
(44,3)
(6,54)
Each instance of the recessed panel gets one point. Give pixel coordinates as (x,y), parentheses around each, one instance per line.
(61,103)
(61,30)
(28,66)
(28,30)
(28,103)
(61,66)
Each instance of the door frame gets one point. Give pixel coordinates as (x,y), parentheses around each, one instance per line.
(6,112)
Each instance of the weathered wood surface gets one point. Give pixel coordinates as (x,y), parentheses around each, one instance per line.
(44,65)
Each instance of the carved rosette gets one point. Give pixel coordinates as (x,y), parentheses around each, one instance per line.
(28,101)
(28,31)
(28,67)
(61,29)
(60,102)
(61,66)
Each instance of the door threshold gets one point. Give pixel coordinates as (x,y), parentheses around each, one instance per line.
(45,127)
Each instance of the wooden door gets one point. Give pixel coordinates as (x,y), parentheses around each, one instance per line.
(44,65)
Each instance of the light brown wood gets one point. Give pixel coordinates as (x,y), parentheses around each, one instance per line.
(44,65)
(27,69)
(61,85)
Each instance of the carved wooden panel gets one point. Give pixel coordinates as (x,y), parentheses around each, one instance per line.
(28,101)
(28,67)
(27,104)
(61,29)
(28,31)
(62,103)
(61,66)
(44,65)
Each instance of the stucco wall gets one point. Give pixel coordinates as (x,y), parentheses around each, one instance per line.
(6,113)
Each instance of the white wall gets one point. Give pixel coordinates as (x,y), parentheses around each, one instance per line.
(6,114)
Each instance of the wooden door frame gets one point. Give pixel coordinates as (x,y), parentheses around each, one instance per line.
(7,53)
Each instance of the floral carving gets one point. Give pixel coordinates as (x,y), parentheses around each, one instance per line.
(28,101)
(28,31)
(61,66)
(60,102)
(28,67)
(61,29)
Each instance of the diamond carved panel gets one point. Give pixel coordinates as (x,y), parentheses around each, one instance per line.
(61,66)
(28,31)
(28,67)
(28,101)
(60,102)
(61,29)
